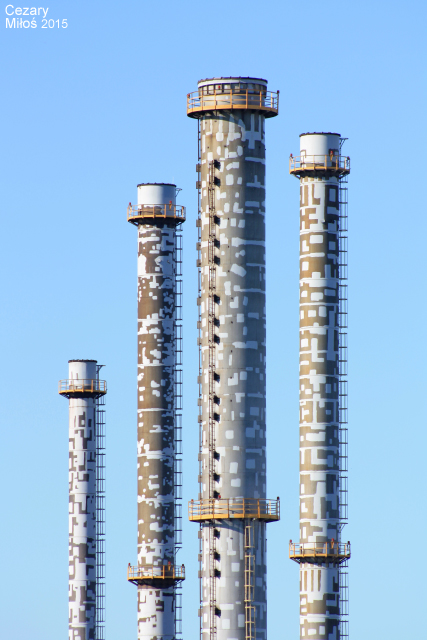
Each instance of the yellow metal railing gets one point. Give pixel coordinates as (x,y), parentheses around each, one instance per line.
(151,572)
(262,100)
(336,163)
(328,550)
(211,509)
(135,212)
(82,386)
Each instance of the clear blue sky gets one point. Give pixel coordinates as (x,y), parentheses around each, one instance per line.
(90,111)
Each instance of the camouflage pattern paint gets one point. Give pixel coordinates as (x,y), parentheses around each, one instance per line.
(233,183)
(156,411)
(82,507)
(319,386)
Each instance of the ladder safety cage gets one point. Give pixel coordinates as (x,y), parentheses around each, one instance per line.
(344,602)
(211,418)
(199,296)
(213,613)
(178,394)
(178,609)
(250,610)
(100,435)
(211,327)
(199,342)
(343,348)
(343,394)
(213,610)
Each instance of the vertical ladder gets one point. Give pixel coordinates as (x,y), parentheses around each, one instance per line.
(199,299)
(344,609)
(211,328)
(178,384)
(211,391)
(178,609)
(250,613)
(343,395)
(100,513)
(199,342)
(343,349)
(213,611)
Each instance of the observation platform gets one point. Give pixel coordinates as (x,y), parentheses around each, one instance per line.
(82,388)
(234,508)
(320,552)
(162,576)
(329,165)
(199,103)
(136,214)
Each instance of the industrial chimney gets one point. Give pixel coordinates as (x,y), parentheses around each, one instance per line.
(321,552)
(86,392)
(232,506)
(159,220)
